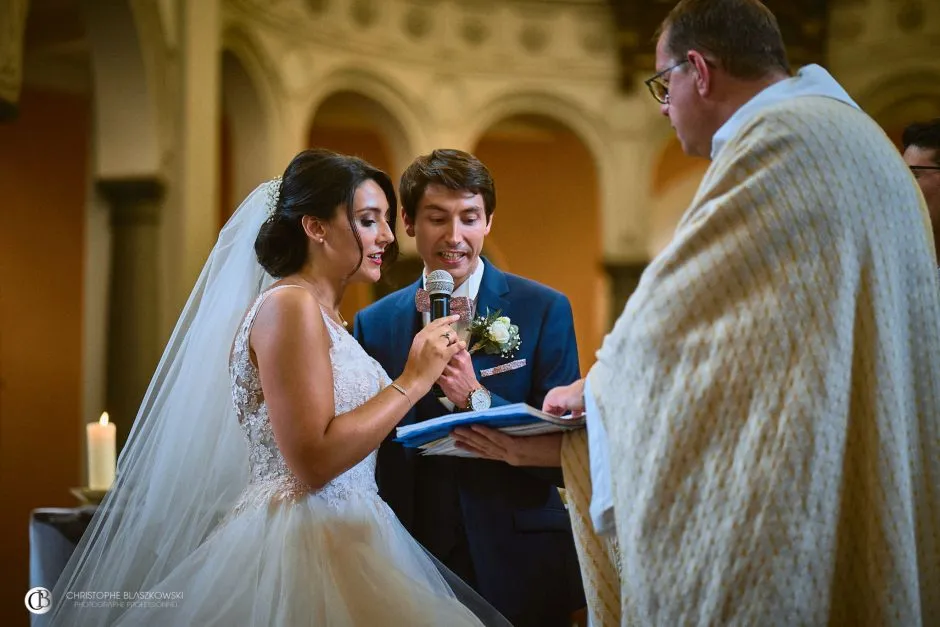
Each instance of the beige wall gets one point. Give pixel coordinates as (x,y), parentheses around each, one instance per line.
(43,179)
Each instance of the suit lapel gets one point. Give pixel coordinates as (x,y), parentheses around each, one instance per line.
(492,297)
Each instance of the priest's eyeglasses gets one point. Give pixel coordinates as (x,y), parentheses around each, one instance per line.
(659,84)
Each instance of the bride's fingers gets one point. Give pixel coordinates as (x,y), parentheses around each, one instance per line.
(440,323)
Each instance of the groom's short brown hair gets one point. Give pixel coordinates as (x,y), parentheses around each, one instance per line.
(454,169)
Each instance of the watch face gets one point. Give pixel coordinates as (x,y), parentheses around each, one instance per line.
(479,400)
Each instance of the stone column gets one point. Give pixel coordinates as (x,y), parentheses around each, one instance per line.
(12,29)
(194,225)
(622,277)
(135,339)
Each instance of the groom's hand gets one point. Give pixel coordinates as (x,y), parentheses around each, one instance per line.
(536,450)
(459,379)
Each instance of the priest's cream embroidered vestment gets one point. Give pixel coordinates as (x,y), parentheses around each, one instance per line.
(771,392)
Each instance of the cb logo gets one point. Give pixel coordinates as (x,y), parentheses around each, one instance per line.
(38,600)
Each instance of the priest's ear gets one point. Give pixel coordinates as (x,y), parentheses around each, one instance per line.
(703,72)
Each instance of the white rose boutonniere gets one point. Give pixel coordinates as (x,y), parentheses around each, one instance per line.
(494,335)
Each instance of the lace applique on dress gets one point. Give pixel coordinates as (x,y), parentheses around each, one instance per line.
(356,378)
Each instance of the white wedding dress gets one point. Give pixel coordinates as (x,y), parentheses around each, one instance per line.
(287,555)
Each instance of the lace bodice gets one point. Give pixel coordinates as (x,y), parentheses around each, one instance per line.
(356,378)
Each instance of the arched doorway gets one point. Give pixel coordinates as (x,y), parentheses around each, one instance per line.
(354,124)
(548,220)
(244,136)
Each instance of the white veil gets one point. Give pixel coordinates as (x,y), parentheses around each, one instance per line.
(185,461)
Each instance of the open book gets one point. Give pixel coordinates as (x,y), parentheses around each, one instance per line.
(433,436)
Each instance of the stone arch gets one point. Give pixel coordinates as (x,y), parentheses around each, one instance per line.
(568,113)
(548,223)
(355,114)
(248,98)
(396,116)
(900,98)
(585,125)
(126,122)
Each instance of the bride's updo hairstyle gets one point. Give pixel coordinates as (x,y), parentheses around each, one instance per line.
(317,183)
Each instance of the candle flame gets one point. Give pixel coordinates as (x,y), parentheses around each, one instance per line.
(104,419)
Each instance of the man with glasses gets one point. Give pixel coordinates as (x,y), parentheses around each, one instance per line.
(764,418)
(922,153)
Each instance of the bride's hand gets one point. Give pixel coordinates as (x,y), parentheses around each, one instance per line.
(431,350)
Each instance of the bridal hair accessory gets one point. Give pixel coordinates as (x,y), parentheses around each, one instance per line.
(273,189)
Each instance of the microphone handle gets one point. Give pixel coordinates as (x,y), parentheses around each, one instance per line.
(440,308)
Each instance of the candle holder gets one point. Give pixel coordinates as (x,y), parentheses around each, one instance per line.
(89,496)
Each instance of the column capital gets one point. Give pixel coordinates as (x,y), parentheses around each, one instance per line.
(133,200)
(120,192)
(12,30)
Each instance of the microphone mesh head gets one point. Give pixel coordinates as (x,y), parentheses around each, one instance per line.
(440,282)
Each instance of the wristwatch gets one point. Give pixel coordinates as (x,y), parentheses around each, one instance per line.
(478,399)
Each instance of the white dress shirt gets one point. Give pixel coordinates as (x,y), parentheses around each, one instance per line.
(602,498)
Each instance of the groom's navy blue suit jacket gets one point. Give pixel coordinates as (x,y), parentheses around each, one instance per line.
(510,520)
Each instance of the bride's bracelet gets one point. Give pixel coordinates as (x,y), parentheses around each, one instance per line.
(402,390)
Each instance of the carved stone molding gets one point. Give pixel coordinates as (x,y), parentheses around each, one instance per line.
(911,16)
(556,39)
(12,31)
(803,23)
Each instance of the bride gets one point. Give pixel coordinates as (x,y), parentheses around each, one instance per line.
(246,492)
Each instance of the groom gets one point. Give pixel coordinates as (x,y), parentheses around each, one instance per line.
(502,528)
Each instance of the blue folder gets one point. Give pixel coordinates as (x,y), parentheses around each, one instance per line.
(511,418)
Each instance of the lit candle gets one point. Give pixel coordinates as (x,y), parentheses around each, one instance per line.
(101,453)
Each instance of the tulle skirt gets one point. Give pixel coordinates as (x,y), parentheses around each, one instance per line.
(308,562)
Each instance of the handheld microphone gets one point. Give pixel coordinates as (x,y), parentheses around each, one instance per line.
(440,285)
